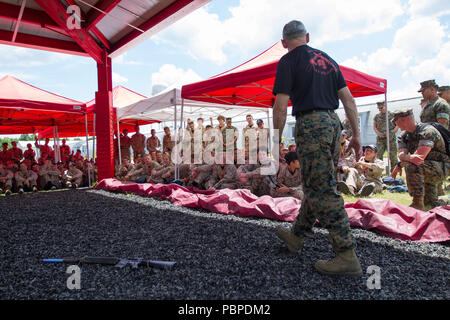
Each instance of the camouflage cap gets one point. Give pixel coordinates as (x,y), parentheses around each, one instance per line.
(228,119)
(380,104)
(427,84)
(402,113)
(443,89)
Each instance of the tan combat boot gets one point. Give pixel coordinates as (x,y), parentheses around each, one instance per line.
(418,203)
(294,243)
(344,264)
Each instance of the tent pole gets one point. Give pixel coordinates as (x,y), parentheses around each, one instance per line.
(176,133)
(270,131)
(118,142)
(87,147)
(387,136)
(94,141)
(181,120)
(55,148)
(57,143)
(37,149)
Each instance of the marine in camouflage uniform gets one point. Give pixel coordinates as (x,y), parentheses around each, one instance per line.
(6,177)
(125,145)
(233,134)
(437,109)
(315,133)
(260,178)
(124,169)
(290,179)
(227,175)
(142,170)
(203,177)
(422,179)
(250,136)
(346,158)
(157,174)
(379,126)
(138,143)
(26,179)
(367,172)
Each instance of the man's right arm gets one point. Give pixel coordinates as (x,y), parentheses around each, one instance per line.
(352,114)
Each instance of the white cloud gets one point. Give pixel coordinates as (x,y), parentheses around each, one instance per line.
(410,45)
(118,79)
(437,67)
(428,7)
(421,37)
(256,24)
(380,61)
(23,57)
(121,60)
(171,76)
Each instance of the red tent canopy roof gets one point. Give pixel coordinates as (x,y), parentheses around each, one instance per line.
(26,109)
(251,83)
(15,93)
(121,97)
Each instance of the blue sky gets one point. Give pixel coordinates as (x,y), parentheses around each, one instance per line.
(404,41)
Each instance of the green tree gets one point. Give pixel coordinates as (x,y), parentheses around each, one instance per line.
(7,140)
(26,137)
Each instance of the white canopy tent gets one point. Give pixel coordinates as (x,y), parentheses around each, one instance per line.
(165,106)
(169,106)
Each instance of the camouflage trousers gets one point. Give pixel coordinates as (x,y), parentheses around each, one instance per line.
(318,145)
(423,180)
(382,147)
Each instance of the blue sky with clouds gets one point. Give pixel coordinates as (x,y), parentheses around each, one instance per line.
(404,41)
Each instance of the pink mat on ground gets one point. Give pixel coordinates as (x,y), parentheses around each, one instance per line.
(383,216)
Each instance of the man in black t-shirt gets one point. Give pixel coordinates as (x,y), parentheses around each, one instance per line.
(314,83)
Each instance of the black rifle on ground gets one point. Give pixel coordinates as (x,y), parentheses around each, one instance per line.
(117,262)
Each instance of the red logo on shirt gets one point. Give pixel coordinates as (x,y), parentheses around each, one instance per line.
(320,64)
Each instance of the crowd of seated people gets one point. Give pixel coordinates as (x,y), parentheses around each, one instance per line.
(236,169)
(21,171)
(251,167)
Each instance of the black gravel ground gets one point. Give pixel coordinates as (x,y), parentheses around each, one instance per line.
(218,256)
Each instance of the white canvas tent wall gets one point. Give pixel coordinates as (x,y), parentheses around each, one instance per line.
(169,106)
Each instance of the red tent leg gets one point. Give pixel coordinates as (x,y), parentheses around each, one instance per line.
(104,120)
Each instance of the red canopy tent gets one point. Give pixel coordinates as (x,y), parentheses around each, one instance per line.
(100,29)
(251,83)
(25,108)
(121,97)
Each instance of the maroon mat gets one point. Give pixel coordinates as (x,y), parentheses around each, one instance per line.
(383,216)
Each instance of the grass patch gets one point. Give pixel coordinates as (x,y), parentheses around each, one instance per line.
(398,197)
